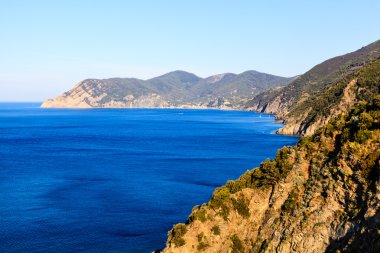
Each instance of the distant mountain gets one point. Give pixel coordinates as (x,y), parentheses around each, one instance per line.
(328,89)
(174,89)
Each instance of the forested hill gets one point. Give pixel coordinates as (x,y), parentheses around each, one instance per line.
(323,92)
(177,89)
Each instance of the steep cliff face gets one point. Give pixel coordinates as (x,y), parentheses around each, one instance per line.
(174,89)
(337,98)
(321,195)
(301,102)
(299,121)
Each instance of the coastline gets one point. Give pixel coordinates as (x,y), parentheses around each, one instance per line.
(276,119)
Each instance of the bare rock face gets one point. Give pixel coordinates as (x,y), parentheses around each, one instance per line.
(78,97)
(323,195)
(93,94)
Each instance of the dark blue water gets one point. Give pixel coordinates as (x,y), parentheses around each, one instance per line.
(117,180)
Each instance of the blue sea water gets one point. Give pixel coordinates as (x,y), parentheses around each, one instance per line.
(115,180)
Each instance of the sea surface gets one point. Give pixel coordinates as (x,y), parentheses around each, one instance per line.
(116,180)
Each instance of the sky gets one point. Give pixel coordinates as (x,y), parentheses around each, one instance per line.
(46,47)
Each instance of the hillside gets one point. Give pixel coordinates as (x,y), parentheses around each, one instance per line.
(174,89)
(323,92)
(323,195)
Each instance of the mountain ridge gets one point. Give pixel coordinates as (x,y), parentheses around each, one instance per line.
(173,89)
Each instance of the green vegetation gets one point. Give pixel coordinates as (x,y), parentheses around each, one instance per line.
(344,153)
(178,88)
(269,173)
(200,237)
(291,203)
(224,211)
(198,213)
(219,196)
(368,81)
(237,245)
(202,246)
(314,96)
(215,230)
(241,206)
(219,199)
(175,235)
(344,135)
(363,124)
(323,102)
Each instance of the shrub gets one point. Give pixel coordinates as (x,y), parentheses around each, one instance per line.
(362,136)
(198,213)
(376,102)
(175,235)
(215,230)
(224,212)
(365,121)
(219,196)
(290,203)
(200,237)
(202,246)
(237,245)
(241,206)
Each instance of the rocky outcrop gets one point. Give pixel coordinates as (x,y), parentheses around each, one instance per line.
(91,94)
(323,195)
(275,106)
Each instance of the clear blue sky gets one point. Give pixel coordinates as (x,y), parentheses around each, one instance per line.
(48,46)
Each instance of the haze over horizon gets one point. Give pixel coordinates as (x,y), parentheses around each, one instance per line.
(48,47)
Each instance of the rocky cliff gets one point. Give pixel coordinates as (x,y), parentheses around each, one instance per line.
(337,98)
(326,90)
(172,90)
(323,195)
